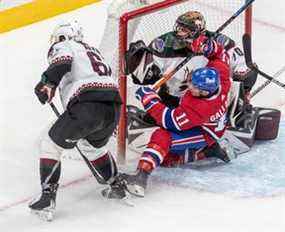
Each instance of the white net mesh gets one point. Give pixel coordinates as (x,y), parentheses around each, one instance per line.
(153,24)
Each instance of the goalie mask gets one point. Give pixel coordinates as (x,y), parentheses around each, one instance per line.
(67,31)
(189,25)
(206,80)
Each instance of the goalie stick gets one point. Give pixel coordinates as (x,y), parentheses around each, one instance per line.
(246,40)
(266,83)
(167,76)
(95,173)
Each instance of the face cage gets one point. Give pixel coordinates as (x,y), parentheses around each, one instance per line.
(192,33)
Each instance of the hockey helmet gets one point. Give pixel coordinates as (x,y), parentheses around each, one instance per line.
(206,79)
(67,31)
(190,25)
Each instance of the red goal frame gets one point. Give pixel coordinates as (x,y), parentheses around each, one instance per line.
(123,43)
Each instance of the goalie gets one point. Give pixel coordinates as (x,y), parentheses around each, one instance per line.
(147,64)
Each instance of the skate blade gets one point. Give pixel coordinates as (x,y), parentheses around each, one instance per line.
(124,201)
(127,200)
(136,190)
(44,215)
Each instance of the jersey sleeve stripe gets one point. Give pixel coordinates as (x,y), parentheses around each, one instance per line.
(169,121)
(155,154)
(173,120)
(151,104)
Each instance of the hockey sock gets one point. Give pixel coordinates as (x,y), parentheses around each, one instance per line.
(106,166)
(49,171)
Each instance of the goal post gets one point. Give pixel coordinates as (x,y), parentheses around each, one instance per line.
(131,20)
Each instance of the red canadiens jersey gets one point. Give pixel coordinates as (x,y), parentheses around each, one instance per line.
(210,113)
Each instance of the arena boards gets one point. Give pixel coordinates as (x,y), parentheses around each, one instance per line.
(36,11)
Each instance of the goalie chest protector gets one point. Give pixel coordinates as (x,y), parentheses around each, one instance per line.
(267,124)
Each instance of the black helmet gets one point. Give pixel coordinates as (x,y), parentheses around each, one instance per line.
(190,25)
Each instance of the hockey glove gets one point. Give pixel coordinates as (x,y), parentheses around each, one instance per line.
(147,96)
(204,45)
(44,91)
(225,41)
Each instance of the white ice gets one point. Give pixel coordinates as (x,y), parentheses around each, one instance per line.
(247,195)
(7,4)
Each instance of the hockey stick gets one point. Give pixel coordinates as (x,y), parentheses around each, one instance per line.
(167,76)
(246,39)
(95,173)
(266,83)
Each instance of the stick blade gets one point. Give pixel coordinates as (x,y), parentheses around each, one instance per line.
(246,41)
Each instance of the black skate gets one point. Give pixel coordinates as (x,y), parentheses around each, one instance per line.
(136,183)
(216,151)
(44,206)
(116,190)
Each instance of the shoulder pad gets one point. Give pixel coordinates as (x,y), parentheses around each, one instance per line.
(167,45)
(54,49)
(158,45)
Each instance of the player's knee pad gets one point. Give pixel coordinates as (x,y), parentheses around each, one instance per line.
(47,148)
(91,152)
(101,159)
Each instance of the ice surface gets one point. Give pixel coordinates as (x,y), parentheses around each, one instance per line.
(246,195)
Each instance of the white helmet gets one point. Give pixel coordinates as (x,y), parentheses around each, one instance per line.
(67,31)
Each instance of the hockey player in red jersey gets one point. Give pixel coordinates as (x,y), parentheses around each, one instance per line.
(191,130)
(147,64)
(91,104)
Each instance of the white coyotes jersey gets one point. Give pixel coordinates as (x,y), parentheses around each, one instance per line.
(88,70)
(179,80)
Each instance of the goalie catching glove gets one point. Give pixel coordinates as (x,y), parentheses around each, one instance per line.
(134,55)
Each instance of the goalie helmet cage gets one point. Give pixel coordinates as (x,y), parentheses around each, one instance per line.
(147,21)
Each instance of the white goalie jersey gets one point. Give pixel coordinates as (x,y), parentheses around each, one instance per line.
(88,69)
(177,83)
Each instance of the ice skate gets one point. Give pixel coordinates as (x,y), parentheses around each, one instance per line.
(44,206)
(136,183)
(118,191)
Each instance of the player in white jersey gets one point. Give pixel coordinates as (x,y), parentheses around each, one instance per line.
(91,103)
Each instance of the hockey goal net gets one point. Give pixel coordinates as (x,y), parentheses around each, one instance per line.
(132,20)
